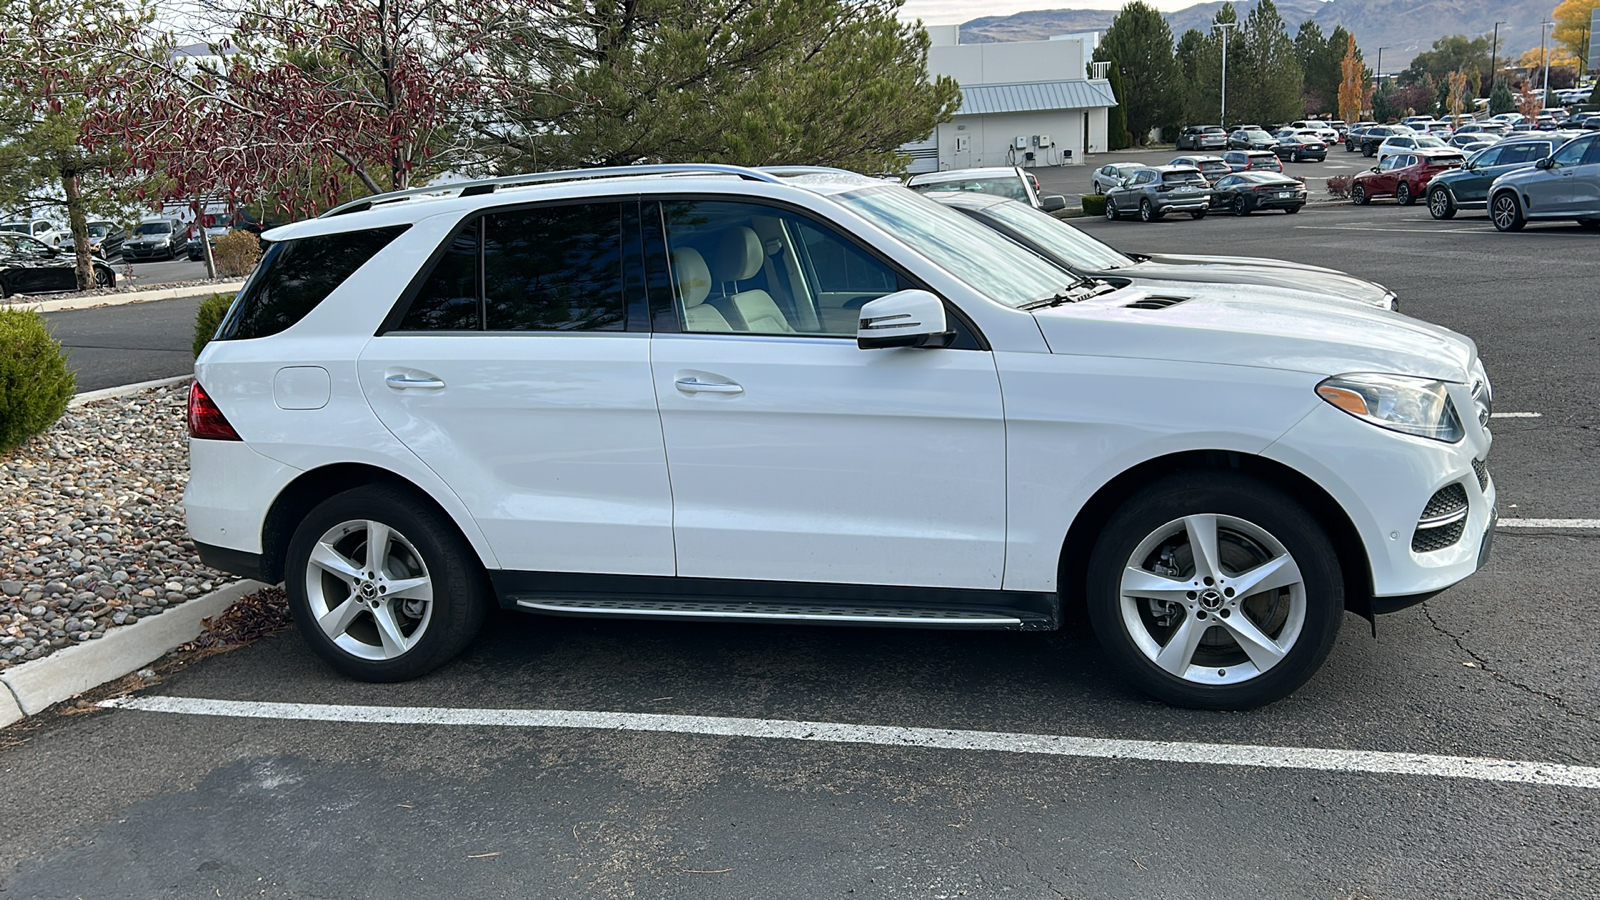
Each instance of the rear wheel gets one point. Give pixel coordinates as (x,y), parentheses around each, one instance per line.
(1215,591)
(1589,224)
(1291,210)
(1506,212)
(103,277)
(1241,206)
(1147,211)
(1366,150)
(1402,193)
(1440,204)
(1358,195)
(381,586)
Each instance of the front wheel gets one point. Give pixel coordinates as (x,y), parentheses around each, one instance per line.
(1214,591)
(1111,210)
(1358,195)
(1402,194)
(1506,213)
(1589,224)
(382,587)
(1440,204)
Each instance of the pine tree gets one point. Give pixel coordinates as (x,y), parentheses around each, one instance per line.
(1117,137)
(1270,68)
(1141,43)
(1501,99)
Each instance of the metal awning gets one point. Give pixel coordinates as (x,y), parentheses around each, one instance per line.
(1035,96)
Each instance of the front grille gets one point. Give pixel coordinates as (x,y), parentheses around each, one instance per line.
(1443,520)
(1482,469)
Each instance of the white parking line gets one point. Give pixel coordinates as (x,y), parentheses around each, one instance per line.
(1365,761)
(1516,415)
(1548,523)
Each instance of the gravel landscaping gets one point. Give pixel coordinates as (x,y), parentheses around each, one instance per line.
(125,287)
(92,537)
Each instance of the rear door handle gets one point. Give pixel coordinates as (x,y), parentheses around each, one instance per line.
(403,383)
(695,386)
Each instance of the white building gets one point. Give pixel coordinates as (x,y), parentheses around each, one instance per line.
(1025,103)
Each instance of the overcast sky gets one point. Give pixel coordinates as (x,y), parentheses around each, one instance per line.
(954,12)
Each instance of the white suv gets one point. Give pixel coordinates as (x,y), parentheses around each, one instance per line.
(702,392)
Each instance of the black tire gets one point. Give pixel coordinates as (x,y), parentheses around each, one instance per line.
(1505,211)
(1241,206)
(1367,150)
(1198,214)
(1589,224)
(103,277)
(1147,211)
(1252,517)
(1291,210)
(1402,193)
(1441,205)
(1358,195)
(442,628)
(1111,210)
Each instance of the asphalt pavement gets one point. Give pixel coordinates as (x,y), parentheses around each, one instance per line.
(330,800)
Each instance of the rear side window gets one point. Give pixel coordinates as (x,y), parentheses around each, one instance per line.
(553,268)
(296,275)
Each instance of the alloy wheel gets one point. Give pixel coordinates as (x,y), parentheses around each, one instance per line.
(1506,213)
(1440,205)
(369,590)
(1213,599)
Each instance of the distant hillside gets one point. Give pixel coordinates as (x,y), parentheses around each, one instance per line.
(1400,27)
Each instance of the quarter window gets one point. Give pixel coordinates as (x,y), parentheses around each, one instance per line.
(295,276)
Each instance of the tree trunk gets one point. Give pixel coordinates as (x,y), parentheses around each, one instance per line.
(205,238)
(78,222)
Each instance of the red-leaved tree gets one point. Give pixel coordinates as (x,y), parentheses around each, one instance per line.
(305,102)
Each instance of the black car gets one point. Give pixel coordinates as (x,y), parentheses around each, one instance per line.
(105,239)
(1251,139)
(156,239)
(1301,146)
(30,266)
(1373,137)
(1245,192)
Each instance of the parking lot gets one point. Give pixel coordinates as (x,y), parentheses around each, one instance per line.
(814,762)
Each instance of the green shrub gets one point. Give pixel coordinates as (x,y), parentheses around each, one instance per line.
(1094,204)
(35,383)
(208,318)
(236,253)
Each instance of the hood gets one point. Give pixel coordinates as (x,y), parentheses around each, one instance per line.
(1285,276)
(1231,326)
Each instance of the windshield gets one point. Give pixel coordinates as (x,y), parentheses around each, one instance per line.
(19,227)
(1009,188)
(1062,240)
(990,263)
(153,228)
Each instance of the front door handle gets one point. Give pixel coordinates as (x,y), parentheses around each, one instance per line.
(402,383)
(695,386)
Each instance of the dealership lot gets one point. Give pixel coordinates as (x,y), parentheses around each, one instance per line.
(297,801)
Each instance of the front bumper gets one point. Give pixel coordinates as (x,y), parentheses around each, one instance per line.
(1384,480)
(135,252)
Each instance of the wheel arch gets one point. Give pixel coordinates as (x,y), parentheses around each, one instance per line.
(300,496)
(1097,511)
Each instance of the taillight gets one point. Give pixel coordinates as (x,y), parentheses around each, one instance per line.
(206,421)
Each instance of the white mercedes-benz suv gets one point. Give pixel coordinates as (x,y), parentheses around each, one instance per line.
(712,393)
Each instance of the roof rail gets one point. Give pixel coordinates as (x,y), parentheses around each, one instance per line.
(490,185)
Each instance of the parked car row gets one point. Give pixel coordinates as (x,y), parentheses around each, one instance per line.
(31,266)
(1524,177)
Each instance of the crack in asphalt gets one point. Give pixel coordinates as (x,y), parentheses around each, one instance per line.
(1483,664)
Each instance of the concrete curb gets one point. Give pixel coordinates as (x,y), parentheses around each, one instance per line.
(97,300)
(36,686)
(123,390)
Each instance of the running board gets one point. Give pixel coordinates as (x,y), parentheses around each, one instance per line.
(814,613)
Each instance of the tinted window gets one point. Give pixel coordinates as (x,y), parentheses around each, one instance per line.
(295,276)
(1523,153)
(554,269)
(1182,177)
(449,298)
(1593,156)
(1572,152)
(153,228)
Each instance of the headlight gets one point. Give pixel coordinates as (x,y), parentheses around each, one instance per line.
(1482,393)
(1419,406)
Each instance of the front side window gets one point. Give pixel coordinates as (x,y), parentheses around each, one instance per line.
(1571,152)
(747,268)
(1489,157)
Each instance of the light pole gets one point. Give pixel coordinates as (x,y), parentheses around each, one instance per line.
(1377,82)
(1544,59)
(1224,26)
(1494,48)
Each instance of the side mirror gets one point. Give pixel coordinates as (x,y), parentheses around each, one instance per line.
(1546,163)
(903,319)
(1373,169)
(1052,202)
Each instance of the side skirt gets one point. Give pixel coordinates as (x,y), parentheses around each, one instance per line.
(724,599)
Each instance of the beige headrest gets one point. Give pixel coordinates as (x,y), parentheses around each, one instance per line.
(739,254)
(693,276)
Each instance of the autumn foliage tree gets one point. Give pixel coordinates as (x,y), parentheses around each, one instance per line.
(303,99)
(1354,95)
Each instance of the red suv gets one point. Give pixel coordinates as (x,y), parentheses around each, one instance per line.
(1403,176)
